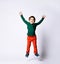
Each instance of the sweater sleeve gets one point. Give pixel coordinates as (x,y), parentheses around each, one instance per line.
(39,21)
(22,17)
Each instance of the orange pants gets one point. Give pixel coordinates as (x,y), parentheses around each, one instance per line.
(33,40)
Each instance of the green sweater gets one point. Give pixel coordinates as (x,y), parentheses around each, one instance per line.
(31,27)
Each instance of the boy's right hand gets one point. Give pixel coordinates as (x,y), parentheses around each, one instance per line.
(20,13)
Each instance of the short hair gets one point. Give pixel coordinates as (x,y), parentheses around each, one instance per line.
(32,17)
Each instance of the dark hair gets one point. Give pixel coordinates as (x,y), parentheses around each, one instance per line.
(32,17)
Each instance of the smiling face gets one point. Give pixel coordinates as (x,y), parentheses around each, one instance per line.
(32,19)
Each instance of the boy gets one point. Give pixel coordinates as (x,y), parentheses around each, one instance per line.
(31,36)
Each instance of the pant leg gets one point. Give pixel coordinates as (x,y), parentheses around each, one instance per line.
(28,44)
(35,45)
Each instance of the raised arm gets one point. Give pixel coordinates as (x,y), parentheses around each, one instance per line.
(40,20)
(22,17)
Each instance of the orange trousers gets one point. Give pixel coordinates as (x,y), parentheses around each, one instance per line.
(33,40)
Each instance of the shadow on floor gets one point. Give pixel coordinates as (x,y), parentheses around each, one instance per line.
(44,47)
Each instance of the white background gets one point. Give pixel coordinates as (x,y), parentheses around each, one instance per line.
(13,31)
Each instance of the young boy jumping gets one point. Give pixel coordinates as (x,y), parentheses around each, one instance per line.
(31,36)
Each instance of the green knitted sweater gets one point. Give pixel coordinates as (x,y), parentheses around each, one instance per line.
(31,27)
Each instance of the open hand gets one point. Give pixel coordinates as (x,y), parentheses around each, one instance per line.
(20,13)
(43,16)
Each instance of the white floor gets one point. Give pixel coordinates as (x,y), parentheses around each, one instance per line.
(30,60)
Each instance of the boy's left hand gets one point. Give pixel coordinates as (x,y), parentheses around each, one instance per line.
(43,16)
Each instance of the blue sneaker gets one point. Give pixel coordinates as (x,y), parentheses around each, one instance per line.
(37,54)
(27,55)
